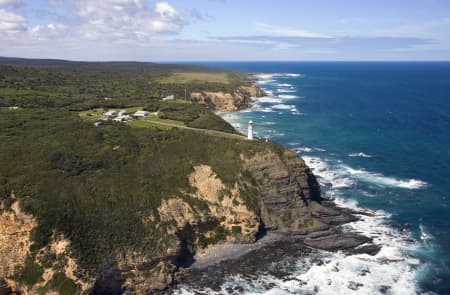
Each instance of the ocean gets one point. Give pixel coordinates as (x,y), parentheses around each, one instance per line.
(377,136)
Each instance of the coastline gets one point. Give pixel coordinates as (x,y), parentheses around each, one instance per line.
(329,238)
(384,265)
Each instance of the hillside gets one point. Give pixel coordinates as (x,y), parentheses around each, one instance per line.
(124,207)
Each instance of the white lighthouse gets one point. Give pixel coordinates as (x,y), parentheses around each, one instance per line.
(250,130)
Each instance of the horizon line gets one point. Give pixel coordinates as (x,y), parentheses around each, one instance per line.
(212,61)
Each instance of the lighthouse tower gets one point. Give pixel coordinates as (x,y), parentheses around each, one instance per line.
(250,130)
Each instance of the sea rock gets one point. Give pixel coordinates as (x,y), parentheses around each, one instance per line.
(333,241)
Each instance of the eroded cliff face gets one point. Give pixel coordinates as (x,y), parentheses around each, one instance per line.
(228,102)
(24,273)
(15,241)
(212,204)
(290,199)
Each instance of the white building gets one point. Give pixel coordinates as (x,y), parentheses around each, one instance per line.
(123,118)
(250,130)
(111,113)
(122,112)
(141,114)
(168,98)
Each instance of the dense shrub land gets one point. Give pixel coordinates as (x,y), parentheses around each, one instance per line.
(80,85)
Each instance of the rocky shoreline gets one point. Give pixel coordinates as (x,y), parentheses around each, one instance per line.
(274,254)
(314,222)
(329,238)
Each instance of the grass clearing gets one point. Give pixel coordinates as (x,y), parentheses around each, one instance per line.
(153,121)
(195,77)
(92,115)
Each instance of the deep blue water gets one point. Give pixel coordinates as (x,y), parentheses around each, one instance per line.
(379,133)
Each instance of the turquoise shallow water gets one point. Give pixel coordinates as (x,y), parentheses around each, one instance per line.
(378,137)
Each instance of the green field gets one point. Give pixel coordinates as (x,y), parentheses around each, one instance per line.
(153,121)
(197,77)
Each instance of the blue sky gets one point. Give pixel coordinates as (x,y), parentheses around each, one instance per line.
(180,30)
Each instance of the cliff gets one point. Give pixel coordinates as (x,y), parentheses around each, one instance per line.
(221,101)
(275,191)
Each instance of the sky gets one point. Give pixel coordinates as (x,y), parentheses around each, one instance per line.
(226,30)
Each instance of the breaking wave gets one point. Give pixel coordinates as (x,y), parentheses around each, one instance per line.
(287,96)
(378,178)
(362,155)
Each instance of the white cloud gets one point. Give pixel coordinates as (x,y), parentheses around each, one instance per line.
(11,23)
(132,19)
(287,31)
(46,32)
(110,22)
(10,2)
(165,10)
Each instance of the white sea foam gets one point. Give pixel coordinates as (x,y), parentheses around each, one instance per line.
(309,150)
(265,81)
(362,155)
(327,176)
(345,176)
(272,75)
(424,234)
(269,92)
(259,108)
(380,179)
(268,99)
(286,75)
(305,149)
(282,90)
(391,271)
(263,76)
(283,85)
(293,75)
(283,107)
(267,123)
(287,96)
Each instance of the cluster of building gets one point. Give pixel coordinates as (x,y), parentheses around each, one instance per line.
(123,116)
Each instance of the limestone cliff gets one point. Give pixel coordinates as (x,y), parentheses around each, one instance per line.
(15,241)
(39,271)
(220,101)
